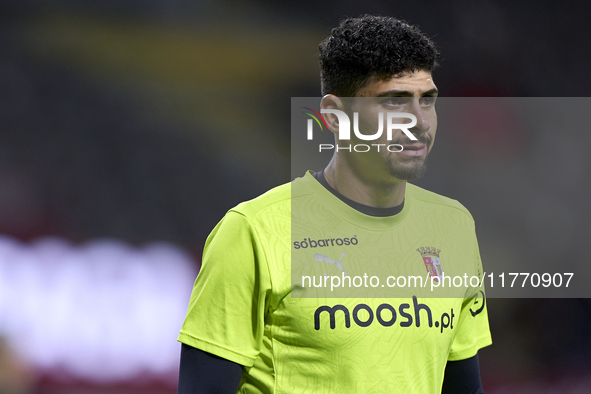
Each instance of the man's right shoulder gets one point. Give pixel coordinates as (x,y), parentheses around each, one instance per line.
(278,198)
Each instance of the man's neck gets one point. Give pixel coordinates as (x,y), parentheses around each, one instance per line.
(366,191)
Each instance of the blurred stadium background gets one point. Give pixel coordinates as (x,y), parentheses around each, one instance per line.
(128,128)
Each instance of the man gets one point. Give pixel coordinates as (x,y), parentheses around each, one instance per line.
(247,330)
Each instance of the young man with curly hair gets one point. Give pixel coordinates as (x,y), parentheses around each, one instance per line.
(247,331)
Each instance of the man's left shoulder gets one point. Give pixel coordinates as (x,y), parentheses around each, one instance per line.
(428,197)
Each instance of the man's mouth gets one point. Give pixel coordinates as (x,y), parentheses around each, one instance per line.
(416,149)
(415,146)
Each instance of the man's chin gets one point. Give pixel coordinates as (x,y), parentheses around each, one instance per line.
(408,172)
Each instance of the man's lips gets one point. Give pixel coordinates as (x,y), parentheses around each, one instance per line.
(417,149)
(416,146)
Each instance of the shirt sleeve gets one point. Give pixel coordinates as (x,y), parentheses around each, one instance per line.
(226,311)
(473,328)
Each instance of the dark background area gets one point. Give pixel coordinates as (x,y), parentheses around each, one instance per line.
(146,120)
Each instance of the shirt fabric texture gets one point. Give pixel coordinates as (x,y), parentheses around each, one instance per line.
(248,305)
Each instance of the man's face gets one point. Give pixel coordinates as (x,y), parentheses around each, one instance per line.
(413,93)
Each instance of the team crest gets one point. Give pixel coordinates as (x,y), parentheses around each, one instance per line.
(432,262)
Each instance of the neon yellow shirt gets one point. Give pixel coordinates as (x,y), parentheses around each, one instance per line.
(242,307)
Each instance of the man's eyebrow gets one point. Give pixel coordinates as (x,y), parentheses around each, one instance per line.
(432,92)
(397,93)
(406,93)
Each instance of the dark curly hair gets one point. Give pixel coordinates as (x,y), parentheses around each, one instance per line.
(367,47)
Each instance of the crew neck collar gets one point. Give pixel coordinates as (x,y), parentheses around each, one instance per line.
(342,208)
(365,209)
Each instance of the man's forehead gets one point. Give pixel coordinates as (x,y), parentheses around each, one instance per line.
(414,83)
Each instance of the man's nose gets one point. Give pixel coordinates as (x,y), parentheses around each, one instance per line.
(423,122)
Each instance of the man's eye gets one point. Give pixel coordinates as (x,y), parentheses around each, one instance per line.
(426,101)
(396,101)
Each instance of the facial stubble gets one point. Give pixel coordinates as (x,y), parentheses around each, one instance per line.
(409,168)
(412,169)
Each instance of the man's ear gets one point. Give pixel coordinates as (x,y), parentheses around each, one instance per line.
(330,101)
